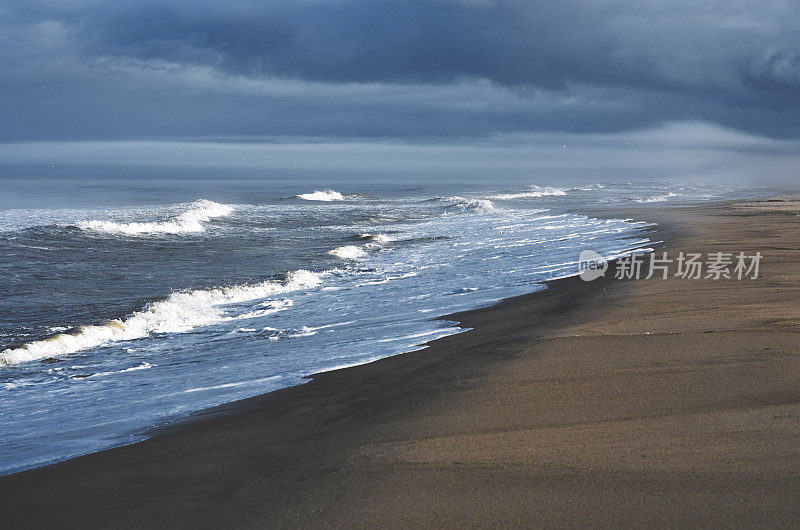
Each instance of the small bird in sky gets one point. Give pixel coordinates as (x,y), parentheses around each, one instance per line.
(564,146)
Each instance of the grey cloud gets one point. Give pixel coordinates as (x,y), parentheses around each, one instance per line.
(677,44)
(131,69)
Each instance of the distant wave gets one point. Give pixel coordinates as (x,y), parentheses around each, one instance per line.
(191,220)
(534,191)
(588,187)
(481,205)
(478,205)
(324,196)
(348,252)
(180,312)
(656,198)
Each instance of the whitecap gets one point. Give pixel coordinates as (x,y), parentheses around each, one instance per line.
(534,191)
(180,312)
(656,198)
(191,220)
(324,196)
(348,252)
(478,205)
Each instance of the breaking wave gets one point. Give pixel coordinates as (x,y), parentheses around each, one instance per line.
(324,196)
(463,203)
(348,252)
(478,205)
(180,312)
(534,191)
(656,198)
(191,220)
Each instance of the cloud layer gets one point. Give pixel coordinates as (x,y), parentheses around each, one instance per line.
(685,152)
(395,68)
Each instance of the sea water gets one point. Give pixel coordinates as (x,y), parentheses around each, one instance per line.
(126,305)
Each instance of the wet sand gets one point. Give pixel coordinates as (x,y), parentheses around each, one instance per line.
(644,402)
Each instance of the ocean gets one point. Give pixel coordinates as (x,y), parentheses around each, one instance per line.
(125,305)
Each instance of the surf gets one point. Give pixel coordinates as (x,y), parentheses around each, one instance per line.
(322,196)
(192,220)
(180,312)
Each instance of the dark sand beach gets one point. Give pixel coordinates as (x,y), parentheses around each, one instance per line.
(667,403)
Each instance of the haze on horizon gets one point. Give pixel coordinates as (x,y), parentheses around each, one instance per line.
(473,88)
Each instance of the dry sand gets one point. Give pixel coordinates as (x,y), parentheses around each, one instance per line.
(616,403)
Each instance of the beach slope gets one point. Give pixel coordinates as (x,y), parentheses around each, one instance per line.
(644,402)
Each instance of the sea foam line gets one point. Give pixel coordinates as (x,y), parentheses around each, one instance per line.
(180,312)
(191,220)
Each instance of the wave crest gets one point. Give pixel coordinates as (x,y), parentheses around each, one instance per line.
(348,252)
(324,196)
(180,312)
(478,205)
(656,198)
(191,220)
(534,191)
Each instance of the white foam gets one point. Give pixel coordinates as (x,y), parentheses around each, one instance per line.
(481,205)
(143,366)
(324,196)
(387,279)
(478,205)
(348,252)
(235,384)
(181,312)
(327,326)
(452,330)
(656,198)
(191,220)
(534,191)
(269,307)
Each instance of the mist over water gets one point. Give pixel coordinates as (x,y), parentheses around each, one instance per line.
(127,305)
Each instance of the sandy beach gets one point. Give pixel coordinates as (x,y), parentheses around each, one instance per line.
(665,403)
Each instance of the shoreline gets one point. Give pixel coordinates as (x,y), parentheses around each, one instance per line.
(199,415)
(669,230)
(457,319)
(293,456)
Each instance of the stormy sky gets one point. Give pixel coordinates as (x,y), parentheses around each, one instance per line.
(414,74)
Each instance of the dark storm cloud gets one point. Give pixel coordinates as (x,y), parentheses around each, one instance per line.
(678,44)
(703,46)
(110,68)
